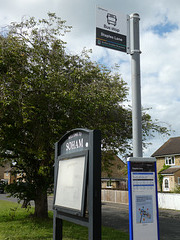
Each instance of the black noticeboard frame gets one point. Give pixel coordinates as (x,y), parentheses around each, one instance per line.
(85,145)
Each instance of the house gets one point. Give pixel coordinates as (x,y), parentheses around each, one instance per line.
(10,176)
(168,165)
(117,177)
(2,169)
(1,173)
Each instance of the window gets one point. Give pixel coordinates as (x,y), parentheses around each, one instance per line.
(178,180)
(109,184)
(166,183)
(170,160)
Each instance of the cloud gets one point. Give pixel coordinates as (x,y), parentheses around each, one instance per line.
(159,34)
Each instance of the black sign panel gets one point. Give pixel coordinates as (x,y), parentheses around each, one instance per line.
(75,142)
(111,40)
(142,167)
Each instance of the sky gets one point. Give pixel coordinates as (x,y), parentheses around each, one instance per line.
(159,44)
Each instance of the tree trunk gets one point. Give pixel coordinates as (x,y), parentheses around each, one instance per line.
(41,205)
(26,203)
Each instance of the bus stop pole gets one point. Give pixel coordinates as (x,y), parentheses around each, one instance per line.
(136,85)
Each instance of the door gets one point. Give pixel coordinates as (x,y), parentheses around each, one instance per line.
(166,186)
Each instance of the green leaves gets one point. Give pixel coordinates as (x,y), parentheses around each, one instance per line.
(45,92)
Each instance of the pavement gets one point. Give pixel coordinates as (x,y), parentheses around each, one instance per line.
(116,215)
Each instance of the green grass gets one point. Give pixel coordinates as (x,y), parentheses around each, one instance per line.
(17,224)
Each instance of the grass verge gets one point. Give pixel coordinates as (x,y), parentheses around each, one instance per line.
(17,224)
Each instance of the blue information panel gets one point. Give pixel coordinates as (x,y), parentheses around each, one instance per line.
(143,200)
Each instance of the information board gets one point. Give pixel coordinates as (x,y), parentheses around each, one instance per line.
(71,183)
(143,202)
(112,30)
(77,182)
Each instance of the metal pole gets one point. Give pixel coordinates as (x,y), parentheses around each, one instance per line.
(57,223)
(94,197)
(136,85)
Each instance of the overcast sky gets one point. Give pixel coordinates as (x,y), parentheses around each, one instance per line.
(160,38)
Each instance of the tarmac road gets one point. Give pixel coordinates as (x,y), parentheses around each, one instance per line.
(117,216)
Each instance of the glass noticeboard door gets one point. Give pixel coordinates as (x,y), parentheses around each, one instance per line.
(71,182)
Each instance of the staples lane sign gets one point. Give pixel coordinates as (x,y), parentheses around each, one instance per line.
(112,30)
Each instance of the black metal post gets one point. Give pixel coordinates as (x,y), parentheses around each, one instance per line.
(94,200)
(57,223)
(57,228)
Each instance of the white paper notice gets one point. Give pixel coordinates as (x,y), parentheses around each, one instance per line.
(70,183)
(144,205)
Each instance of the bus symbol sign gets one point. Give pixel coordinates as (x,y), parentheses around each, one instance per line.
(111,19)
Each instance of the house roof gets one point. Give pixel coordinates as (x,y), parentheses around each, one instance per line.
(171,147)
(9,169)
(116,171)
(170,170)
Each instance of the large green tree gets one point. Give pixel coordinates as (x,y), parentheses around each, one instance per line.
(44,92)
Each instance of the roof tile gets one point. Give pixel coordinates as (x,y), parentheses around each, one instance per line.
(170,170)
(171,147)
